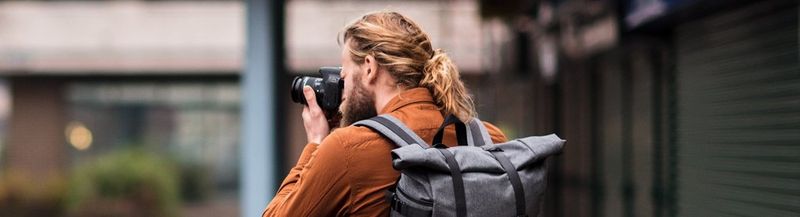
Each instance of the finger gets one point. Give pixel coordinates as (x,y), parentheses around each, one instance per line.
(311,98)
(305,113)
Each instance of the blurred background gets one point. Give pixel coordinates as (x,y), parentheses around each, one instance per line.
(181,107)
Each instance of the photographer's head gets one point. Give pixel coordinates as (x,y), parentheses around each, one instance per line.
(385,53)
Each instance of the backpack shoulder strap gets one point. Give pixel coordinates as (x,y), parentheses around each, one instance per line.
(478,133)
(391,128)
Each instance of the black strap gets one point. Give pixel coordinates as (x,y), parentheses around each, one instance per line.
(461,130)
(407,210)
(394,128)
(479,133)
(458,182)
(513,176)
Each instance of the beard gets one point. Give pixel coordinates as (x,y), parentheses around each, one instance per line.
(360,105)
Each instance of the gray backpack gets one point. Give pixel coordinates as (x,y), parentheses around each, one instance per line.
(476,178)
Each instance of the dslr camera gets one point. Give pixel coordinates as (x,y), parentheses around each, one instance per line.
(328,89)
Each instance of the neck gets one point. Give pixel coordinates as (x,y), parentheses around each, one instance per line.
(384,95)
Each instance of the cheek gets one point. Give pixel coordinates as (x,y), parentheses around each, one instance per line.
(348,86)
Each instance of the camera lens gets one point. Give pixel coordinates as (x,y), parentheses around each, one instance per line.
(297,87)
(327,89)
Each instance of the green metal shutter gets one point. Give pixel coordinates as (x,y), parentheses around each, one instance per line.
(738,114)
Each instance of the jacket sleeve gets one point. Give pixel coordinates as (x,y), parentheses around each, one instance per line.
(316,185)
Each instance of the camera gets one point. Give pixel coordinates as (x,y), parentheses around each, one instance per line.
(328,89)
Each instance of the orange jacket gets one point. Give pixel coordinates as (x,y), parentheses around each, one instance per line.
(348,174)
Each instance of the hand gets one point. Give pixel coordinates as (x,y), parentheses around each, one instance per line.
(314,119)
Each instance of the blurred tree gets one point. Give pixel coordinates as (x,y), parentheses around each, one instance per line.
(124,183)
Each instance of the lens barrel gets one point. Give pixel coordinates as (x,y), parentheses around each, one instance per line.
(300,82)
(327,89)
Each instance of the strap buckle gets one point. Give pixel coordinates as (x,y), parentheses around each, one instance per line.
(493,149)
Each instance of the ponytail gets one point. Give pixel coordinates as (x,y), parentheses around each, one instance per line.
(442,78)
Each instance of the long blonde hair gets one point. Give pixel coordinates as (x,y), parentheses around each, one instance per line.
(400,45)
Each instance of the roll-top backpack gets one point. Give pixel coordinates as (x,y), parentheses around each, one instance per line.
(475,178)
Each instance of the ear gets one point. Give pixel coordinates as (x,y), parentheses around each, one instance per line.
(371,73)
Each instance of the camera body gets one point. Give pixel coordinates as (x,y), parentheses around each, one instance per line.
(328,89)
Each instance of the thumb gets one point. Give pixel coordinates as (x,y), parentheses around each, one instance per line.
(311,98)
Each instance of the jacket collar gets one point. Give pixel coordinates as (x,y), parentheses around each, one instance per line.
(408,97)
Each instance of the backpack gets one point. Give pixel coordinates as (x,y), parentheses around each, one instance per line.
(476,178)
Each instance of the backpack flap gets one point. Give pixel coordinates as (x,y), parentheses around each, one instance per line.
(416,156)
(521,152)
(469,158)
(530,150)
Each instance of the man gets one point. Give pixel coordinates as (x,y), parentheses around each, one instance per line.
(389,67)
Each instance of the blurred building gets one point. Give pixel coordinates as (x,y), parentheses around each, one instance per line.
(669,107)
(87,78)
